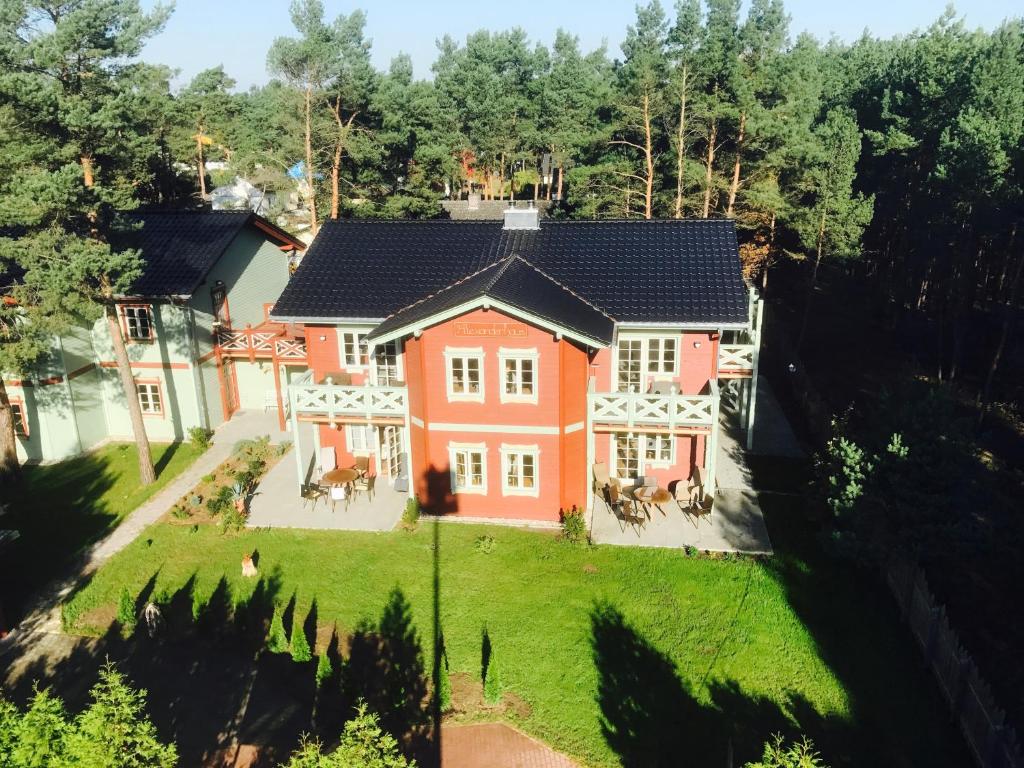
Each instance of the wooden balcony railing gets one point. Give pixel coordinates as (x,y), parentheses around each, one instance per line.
(330,402)
(736,359)
(260,344)
(633,410)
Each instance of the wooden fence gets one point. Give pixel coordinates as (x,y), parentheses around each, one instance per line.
(993,743)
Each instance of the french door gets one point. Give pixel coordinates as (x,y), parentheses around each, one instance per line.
(391,448)
(630,373)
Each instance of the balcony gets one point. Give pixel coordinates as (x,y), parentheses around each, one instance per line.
(736,360)
(675,412)
(338,403)
(267,341)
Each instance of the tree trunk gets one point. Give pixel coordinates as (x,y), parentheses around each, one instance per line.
(8,442)
(310,176)
(814,282)
(87,171)
(735,185)
(681,146)
(561,174)
(710,163)
(648,159)
(339,149)
(501,178)
(201,163)
(124,369)
(768,258)
(1004,332)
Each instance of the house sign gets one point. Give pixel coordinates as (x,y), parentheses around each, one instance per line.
(514,330)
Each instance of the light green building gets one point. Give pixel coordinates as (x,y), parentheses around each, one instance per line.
(197,333)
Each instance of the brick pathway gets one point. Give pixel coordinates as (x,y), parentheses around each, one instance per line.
(496,745)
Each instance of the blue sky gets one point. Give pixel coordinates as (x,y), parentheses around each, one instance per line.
(237,33)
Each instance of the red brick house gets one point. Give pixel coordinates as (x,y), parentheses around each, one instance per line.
(487,366)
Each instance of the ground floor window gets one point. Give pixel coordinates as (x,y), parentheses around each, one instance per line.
(357,437)
(635,452)
(20,419)
(150,398)
(468,467)
(519,469)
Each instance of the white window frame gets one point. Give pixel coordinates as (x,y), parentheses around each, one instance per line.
(150,387)
(130,313)
(507,452)
(379,353)
(518,355)
(350,443)
(642,462)
(464,354)
(661,459)
(467,450)
(362,348)
(647,341)
(20,416)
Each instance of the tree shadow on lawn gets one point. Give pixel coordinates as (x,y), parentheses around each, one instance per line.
(897,716)
(213,687)
(650,718)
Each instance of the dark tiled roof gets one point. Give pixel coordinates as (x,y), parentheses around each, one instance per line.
(519,284)
(485,210)
(178,248)
(677,271)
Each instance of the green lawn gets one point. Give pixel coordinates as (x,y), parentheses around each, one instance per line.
(61,508)
(615,651)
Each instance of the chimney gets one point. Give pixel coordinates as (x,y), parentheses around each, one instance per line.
(522,218)
(473,201)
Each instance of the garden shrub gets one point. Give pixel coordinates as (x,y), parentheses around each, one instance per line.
(126,612)
(180,513)
(277,641)
(444,686)
(231,520)
(221,501)
(574,525)
(324,670)
(300,645)
(492,680)
(200,437)
(485,544)
(411,515)
(800,754)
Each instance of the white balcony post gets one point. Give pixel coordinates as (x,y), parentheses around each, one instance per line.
(711,444)
(752,406)
(296,437)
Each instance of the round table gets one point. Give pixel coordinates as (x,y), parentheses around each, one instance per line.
(339,477)
(652,495)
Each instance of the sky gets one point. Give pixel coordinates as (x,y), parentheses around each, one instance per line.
(237,33)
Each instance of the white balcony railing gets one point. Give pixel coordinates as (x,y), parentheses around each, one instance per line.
(331,401)
(736,358)
(672,411)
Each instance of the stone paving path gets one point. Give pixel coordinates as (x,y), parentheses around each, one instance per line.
(496,745)
(44,614)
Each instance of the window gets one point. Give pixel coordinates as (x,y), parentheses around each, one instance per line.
(354,349)
(633,454)
(519,375)
(385,357)
(658,449)
(468,467)
(219,299)
(640,356)
(357,437)
(150,399)
(20,419)
(465,374)
(519,468)
(138,322)
(661,355)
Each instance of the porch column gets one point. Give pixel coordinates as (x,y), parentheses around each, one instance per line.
(711,443)
(752,407)
(297,438)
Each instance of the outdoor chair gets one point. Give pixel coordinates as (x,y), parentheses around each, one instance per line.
(702,508)
(362,465)
(364,485)
(624,509)
(602,479)
(312,493)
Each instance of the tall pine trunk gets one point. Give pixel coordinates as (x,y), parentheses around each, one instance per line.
(201,163)
(124,370)
(814,281)
(709,167)
(1004,331)
(8,441)
(734,186)
(648,158)
(339,148)
(681,146)
(561,175)
(310,175)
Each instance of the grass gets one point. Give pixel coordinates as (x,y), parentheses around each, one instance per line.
(606,646)
(59,509)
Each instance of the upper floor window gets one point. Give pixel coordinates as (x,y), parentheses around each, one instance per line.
(520,465)
(219,299)
(639,356)
(385,358)
(468,467)
(138,321)
(355,350)
(519,375)
(661,355)
(465,373)
(20,419)
(150,397)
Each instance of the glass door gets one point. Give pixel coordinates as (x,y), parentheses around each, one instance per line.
(391,448)
(630,373)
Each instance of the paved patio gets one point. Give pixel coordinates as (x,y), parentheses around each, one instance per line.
(277,504)
(736,523)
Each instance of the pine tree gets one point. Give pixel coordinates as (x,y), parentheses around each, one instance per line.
(126,612)
(492,680)
(207,109)
(324,670)
(300,644)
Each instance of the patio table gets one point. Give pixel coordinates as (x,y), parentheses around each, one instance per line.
(339,477)
(651,494)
